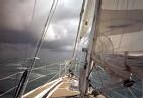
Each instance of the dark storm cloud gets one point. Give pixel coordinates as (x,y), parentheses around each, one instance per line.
(15,36)
(15,18)
(57,44)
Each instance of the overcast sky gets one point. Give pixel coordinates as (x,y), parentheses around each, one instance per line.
(16,22)
(16,25)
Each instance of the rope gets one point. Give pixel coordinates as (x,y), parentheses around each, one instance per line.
(53,77)
(31,21)
(117,93)
(9,76)
(78,33)
(32,81)
(22,87)
(132,93)
(33,12)
(7,91)
(48,21)
(41,77)
(28,82)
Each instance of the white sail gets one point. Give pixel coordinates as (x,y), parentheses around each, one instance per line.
(87,17)
(120,30)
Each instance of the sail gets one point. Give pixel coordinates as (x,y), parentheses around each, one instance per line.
(87,17)
(120,35)
(118,49)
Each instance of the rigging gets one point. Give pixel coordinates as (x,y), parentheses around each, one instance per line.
(22,84)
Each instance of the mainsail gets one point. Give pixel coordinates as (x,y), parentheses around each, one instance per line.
(118,46)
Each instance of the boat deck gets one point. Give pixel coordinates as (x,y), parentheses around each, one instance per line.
(56,89)
(60,90)
(63,90)
(35,92)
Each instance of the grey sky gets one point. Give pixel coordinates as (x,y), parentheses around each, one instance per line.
(16,15)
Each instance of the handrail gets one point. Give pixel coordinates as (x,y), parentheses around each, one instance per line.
(9,76)
(45,66)
(41,77)
(56,73)
(7,91)
(28,82)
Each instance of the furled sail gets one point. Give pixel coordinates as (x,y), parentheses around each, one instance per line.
(87,17)
(120,35)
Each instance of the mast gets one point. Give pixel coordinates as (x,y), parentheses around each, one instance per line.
(84,82)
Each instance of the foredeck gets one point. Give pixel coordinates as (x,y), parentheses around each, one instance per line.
(63,90)
(56,89)
(35,92)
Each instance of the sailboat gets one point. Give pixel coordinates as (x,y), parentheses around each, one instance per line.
(110,33)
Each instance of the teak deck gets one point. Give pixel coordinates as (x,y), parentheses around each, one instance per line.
(61,90)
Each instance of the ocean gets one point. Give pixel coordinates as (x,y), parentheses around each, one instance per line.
(47,69)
